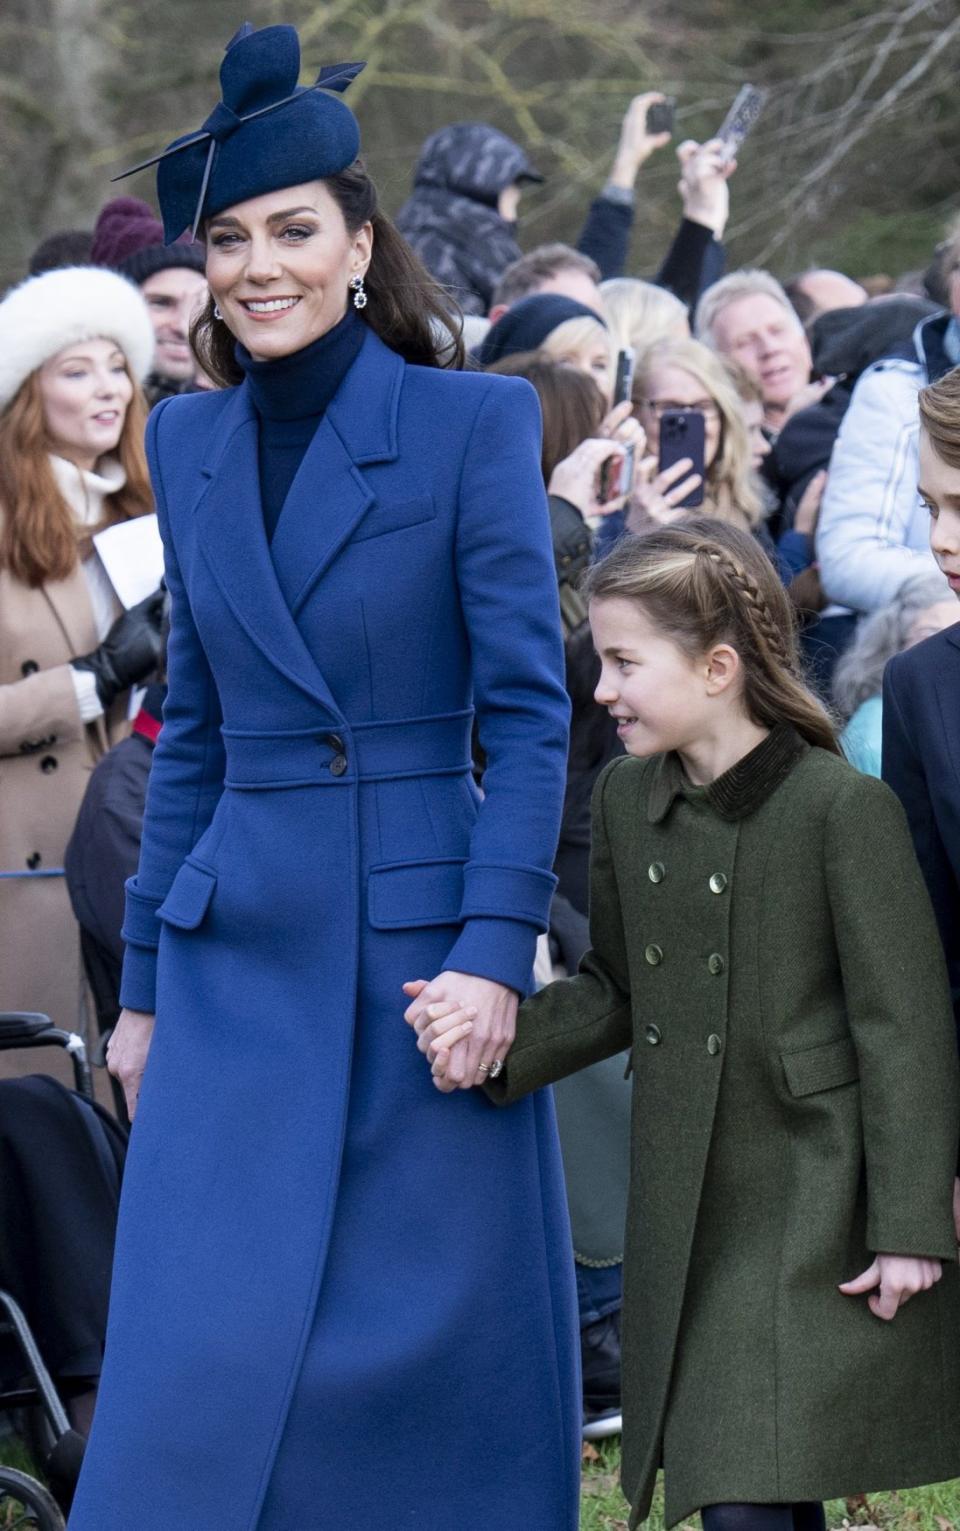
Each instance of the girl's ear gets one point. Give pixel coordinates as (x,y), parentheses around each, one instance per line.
(723,669)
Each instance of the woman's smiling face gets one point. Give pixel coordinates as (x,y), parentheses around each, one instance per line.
(279,266)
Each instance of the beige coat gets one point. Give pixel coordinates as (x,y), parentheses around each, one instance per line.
(46,756)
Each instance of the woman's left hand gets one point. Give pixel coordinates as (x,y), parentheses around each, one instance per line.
(899,1278)
(493,1030)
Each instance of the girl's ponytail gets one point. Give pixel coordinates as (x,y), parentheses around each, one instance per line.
(706,582)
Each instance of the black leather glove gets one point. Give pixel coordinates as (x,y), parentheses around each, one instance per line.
(129,653)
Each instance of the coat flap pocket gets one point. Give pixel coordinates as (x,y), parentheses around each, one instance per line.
(190,894)
(821,1068)
(408,893)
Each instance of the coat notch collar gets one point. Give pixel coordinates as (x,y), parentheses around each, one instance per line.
(365,409)
(739,791)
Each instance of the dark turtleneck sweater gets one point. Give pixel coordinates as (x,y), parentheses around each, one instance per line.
(291,396)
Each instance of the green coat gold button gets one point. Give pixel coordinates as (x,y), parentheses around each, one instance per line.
(655,871)
(652,1034)
(653,954)
(714,1044)
(716,964)
(718,883)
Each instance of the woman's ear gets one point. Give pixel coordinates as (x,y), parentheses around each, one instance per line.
(363,247)
(723,669)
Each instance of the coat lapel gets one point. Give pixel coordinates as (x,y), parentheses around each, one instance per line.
(330,495)
(231,532)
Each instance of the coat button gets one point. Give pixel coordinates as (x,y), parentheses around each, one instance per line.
(29,667)
(49,763)
(652,1034)
(718,883)
(716,964)
(656,871)
(714,1044)
(33,860)
(339,762)
(653,954)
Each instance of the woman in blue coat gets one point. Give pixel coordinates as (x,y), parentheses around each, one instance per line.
(337,1301)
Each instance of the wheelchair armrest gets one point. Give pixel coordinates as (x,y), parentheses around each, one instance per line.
(17,1026)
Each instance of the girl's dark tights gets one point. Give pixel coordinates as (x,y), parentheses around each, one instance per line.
(763,1517)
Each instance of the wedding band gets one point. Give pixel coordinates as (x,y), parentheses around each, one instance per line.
(496,1067)
(483,1068)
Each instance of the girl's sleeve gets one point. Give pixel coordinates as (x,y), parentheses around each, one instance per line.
(186,775)
(581,1020)
(898,1006)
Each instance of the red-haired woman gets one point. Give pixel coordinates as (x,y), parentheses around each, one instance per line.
(74,346)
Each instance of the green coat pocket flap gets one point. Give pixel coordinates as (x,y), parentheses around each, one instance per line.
(404,894)
(189,897)
(821,1068)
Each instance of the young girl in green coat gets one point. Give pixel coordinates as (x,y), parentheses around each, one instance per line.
(762,939)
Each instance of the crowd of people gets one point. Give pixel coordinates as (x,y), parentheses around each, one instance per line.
(395,468)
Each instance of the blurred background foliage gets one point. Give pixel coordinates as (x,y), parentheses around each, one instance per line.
(854,163)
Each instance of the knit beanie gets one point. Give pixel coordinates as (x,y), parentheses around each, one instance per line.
(60,308)
(526,325)
(128,237)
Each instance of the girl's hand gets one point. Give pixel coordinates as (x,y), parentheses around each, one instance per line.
(493,1027)
(899,1278)
(439,1028)
(577,477)
(127,1053)
(656,496)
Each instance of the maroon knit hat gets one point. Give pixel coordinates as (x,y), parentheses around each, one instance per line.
(128,237)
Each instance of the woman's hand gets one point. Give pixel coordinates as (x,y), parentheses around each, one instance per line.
(127,1053)
(899,1278)
(492,1029)
(704,173)
(577,478)
(656,496)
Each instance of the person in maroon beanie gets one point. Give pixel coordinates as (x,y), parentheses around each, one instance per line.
(129,238)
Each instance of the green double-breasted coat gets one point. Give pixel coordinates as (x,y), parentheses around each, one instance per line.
(767,948)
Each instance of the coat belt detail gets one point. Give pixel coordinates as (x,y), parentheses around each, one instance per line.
(341,755)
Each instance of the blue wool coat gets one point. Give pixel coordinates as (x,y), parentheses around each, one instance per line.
(341,1298)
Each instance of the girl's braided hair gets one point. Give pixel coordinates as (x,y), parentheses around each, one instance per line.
(704,582)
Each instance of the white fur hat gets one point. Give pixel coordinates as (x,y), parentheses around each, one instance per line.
(45,313)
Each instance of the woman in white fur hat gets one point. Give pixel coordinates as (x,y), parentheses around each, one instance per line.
(74,347)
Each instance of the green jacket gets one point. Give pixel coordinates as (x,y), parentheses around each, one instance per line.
(767,948)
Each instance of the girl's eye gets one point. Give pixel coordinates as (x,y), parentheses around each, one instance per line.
(75,374)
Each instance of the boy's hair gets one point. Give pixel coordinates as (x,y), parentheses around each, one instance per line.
(525,275)
(705,582)
(940,416)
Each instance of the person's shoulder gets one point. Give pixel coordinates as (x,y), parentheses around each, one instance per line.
(193,413)
(925,661)
(470,388)
(625,780)
(843,795)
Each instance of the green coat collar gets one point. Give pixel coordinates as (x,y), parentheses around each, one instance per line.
(738,791)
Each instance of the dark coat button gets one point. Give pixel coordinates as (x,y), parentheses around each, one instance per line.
(29,667)
(33,860)
(49,763)
(714,1044)
(338,765)
(716,964)
(653,954)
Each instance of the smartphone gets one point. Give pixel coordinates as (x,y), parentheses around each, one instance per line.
(623,387)
(741,118)
(683,434)
(660,115)
(616,476)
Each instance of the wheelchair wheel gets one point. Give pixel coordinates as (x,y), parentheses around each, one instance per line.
(25,1504)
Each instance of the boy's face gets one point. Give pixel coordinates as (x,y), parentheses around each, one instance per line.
(939,489)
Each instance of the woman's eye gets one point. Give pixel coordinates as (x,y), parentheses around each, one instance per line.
(74,376)
(297,231)
(932,510)
(222,240)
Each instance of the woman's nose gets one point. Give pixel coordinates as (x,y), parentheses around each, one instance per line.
(262,263)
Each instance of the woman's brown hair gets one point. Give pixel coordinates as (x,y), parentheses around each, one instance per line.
(706,582)
(571,403)
(39,536)
(410,312)
(940,417)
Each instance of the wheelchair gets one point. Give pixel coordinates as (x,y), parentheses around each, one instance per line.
(33,1400)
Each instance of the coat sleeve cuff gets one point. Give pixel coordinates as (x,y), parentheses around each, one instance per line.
(498,949)
(138,985)
(933,1241)
(517,892)
(140,924)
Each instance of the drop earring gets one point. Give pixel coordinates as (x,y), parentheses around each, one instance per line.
(216,311)
(359,292)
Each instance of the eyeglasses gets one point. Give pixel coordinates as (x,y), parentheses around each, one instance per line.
(659,407)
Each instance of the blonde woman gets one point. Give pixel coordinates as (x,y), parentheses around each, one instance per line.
(75,345)
(584,343)
(640,314)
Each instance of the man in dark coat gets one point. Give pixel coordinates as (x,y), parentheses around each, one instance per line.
(461,218)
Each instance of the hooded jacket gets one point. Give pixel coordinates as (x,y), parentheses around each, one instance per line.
(451,218)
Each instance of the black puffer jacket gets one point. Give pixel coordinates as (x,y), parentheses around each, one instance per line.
(451,219)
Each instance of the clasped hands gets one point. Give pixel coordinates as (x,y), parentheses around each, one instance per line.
(465,1027)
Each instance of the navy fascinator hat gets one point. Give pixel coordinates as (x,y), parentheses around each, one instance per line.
(266,133)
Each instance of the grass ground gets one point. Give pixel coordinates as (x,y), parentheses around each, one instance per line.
(603,1508)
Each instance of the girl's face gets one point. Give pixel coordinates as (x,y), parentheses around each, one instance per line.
(668,387)
(939,490)
(279,267)
(85,390)
(654,690)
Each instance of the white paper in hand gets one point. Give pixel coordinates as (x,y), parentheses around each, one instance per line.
(132,554)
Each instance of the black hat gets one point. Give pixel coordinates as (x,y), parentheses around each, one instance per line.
(266,133)
(526,325)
